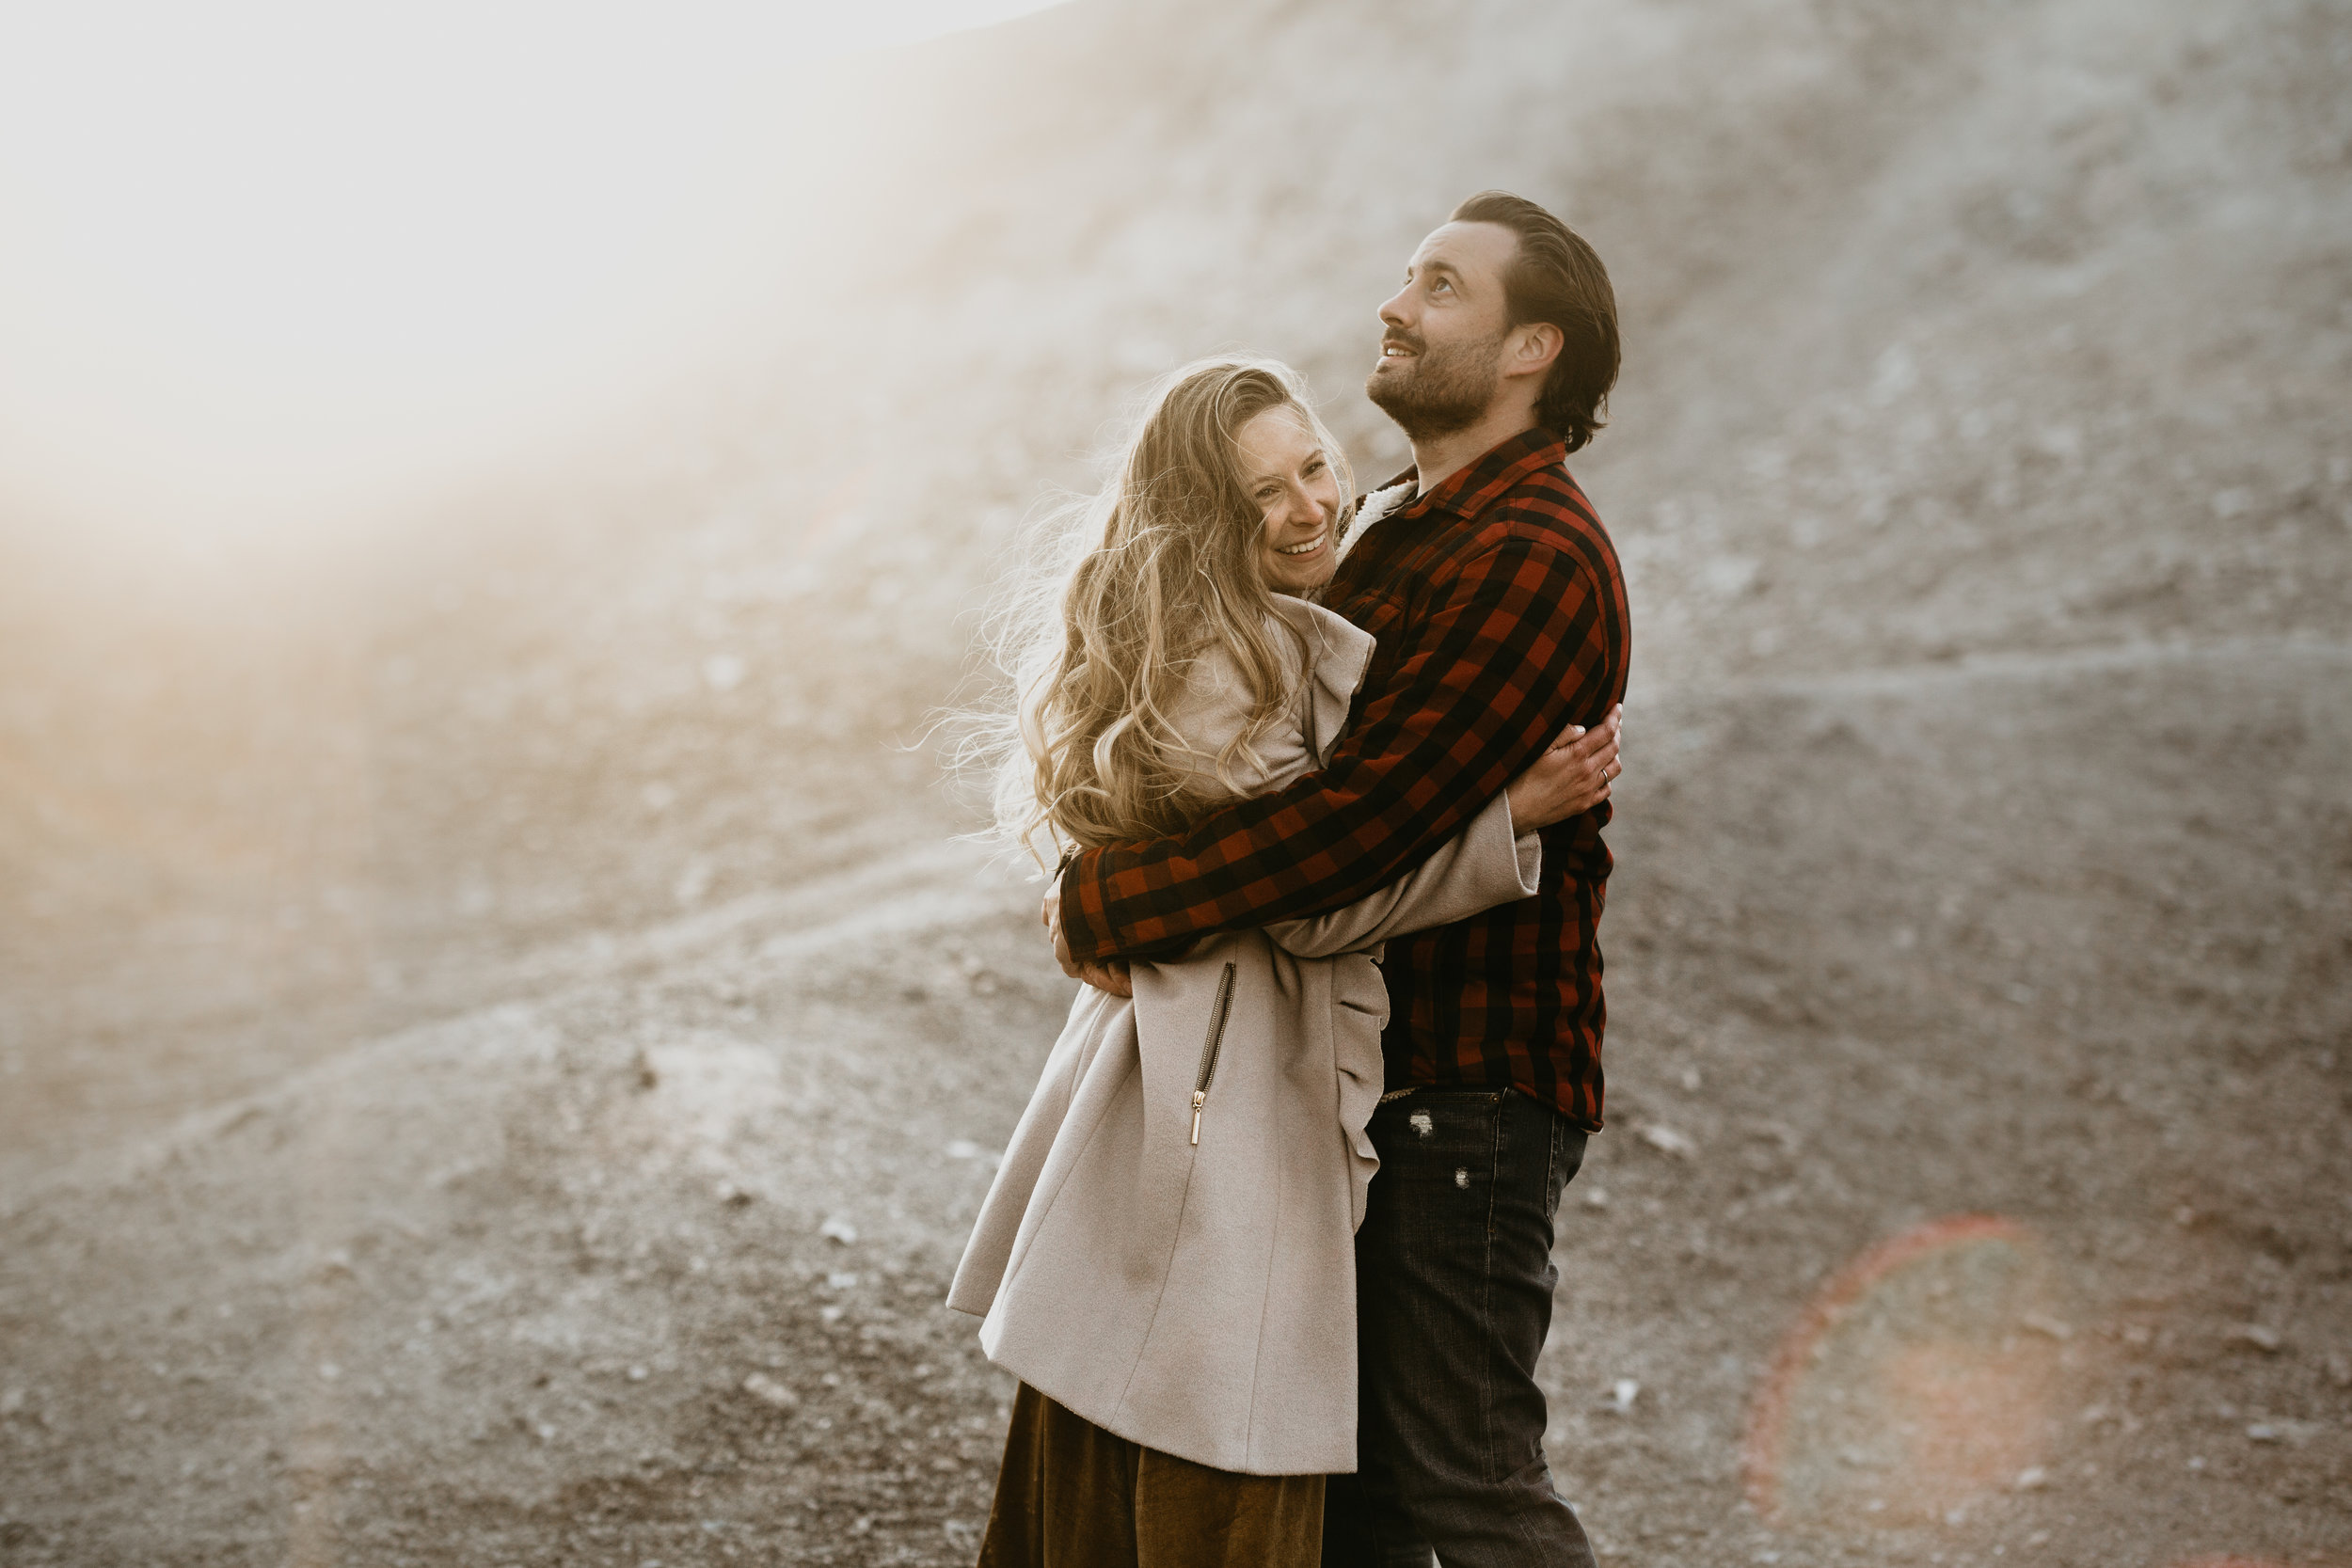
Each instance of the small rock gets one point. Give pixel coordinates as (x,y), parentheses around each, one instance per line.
(841,1279)
(1667,1141)
(1596,1197)
(963,1149)
(761,1386)
(637,1374)
(2042,1324)
(1622,1394)
(2261,1335)
(838,1229)
(730,1195)
(2262,1432)
(2032,1478)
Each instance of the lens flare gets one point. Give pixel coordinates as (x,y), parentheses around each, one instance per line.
(1923,1374)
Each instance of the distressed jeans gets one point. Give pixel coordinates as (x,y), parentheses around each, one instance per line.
(1453,1282)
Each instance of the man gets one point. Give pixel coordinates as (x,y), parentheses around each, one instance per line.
(1500,616)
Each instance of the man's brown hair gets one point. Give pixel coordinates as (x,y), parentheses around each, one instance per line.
(1555,277)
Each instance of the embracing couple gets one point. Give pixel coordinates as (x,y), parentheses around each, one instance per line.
(1270,1250)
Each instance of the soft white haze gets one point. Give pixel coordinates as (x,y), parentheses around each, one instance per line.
(259,255)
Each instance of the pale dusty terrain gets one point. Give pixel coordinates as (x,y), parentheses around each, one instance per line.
(468,1007)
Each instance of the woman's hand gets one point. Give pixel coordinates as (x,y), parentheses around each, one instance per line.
(1571,778)
(1111,976)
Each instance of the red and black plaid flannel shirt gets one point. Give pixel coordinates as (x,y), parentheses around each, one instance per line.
(1501,615)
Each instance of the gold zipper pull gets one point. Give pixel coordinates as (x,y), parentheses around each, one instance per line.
(1199,1098)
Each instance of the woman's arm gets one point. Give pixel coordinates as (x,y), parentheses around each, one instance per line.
(1494,861)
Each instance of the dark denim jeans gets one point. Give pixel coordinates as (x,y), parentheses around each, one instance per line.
(1453,1282)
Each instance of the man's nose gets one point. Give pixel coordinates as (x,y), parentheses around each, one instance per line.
(1392,313)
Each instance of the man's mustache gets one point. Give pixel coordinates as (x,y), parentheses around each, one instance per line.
(1411,344)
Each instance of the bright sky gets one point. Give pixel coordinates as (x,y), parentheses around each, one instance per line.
(261,251)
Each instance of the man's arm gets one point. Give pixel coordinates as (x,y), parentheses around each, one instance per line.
(1514,653)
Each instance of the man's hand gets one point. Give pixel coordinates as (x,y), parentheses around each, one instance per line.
(1111,977)
(1571,778)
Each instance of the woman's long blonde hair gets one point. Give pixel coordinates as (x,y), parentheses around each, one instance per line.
(1156,571)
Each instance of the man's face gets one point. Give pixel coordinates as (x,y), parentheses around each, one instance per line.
(1442,342)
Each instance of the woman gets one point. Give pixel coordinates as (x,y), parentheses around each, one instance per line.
(1165,1258)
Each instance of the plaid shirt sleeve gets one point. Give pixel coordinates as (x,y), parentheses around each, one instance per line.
(1509,657)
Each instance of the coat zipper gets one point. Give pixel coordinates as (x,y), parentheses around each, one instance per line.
(1209,1048)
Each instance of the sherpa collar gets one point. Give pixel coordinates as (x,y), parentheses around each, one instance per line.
(1383,503)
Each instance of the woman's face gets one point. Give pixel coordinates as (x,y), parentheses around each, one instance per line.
(1287,472)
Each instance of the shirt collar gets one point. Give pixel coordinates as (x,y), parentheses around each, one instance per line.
(1469,488)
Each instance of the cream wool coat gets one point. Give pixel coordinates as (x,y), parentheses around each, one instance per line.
(1167,1248)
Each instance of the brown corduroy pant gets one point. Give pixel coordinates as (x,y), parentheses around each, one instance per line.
(1072,1496)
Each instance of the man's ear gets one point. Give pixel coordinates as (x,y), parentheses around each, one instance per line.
(1532,348)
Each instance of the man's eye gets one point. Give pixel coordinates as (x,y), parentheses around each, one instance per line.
(1441,286)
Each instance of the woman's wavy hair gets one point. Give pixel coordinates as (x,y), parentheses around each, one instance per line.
(1148,577)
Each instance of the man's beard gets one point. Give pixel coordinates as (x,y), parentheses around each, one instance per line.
(1437,394)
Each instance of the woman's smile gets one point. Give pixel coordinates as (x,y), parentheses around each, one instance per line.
(1289,476)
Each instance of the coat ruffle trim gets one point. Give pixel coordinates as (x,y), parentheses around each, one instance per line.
(1338,657)
(1340,654)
